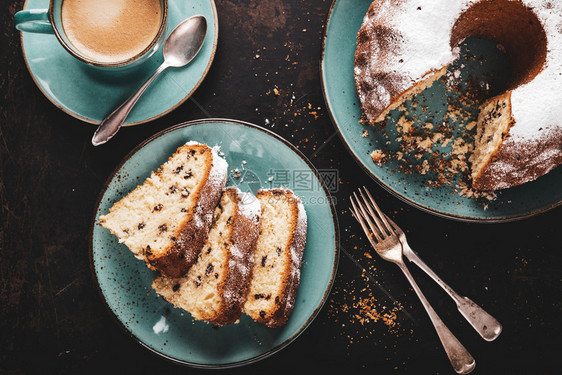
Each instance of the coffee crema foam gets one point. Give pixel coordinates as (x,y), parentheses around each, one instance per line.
(110,31)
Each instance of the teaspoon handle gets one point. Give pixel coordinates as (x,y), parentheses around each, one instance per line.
(485,324)
(112,123)
(461,360)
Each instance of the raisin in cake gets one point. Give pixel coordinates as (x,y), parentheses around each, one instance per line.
(278,257)
(404,46)
(166,220)
(215,287)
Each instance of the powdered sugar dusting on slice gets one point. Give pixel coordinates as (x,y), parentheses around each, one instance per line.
(220,166)
(300,240)
(297,249)
(249,205)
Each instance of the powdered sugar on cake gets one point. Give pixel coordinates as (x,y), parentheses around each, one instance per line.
(404,46)
(536,105)
(250,206)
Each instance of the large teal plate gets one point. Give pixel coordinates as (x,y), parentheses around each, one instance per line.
(257,158)
(344,21)
(90,94)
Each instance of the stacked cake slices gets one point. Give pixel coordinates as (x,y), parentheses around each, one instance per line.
(165,221)
(215,287)
(219,252)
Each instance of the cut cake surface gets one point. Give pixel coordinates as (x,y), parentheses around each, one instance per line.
(278,257)
(166,220)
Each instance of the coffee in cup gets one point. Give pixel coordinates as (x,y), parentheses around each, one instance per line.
(112,34)
(111,30)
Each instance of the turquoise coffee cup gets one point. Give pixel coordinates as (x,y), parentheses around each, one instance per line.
(49,21)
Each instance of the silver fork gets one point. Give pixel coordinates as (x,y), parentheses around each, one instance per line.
(485,324)
(386,243)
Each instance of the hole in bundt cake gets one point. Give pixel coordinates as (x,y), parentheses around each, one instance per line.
(512,24)
(426,50)
(520,32)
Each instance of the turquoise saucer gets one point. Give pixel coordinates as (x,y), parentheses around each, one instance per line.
(257,159)
(90,94)
(344,21)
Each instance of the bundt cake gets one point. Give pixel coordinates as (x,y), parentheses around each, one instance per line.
(278,257)
(166,220)
(403,46)
(216,286)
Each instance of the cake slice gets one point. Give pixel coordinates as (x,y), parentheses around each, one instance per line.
(494,122)
(216,286)
(166,220)
(278,257)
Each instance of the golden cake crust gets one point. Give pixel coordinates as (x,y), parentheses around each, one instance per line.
(234,287)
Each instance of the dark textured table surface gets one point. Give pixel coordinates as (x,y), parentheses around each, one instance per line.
(53,320)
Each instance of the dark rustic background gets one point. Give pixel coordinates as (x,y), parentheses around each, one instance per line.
(52,319)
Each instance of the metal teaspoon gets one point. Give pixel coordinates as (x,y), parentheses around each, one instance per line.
(181,46)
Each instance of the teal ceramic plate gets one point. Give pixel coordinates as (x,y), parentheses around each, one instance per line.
(257,158)
(90,94)
(338,83)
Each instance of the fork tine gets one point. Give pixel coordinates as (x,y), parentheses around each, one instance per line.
(354,212)
(358,217)
(374,227)
(371,236)
(381,214)
(393,224)
(365,218)
(380,225)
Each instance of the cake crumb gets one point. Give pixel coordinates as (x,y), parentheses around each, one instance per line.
(439,149)
(378,157)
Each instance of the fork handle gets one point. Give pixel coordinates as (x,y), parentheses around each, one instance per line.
(460,358)
(485,324)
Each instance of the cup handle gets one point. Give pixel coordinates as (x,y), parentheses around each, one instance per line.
(33,20)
